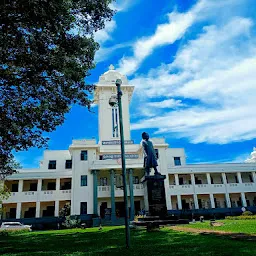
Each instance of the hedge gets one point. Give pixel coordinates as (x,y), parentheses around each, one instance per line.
(249,217)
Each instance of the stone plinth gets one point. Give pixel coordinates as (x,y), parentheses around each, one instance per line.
(154,195)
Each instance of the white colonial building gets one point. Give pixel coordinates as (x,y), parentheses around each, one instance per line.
(88,174)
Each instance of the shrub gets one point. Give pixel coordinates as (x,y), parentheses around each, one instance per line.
(6,232)
(71,222)
(242,217)
(247,213)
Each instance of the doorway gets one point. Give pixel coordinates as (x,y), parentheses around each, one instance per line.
(103,207)
(120,209)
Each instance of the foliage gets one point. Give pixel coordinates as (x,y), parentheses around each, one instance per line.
(242,217)
(6,232)
(111,241)
(71,222)
(46,51)
(65,211)
(4,194)
(8,165)
(247,213)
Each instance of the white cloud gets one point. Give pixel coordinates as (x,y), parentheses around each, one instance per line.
(104,35)
(165,34)
(218,69)
(252,158)
(123,5)
(170,103)
(105,53)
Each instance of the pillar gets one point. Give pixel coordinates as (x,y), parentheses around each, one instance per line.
(37,209)
(113,203)
(20,189)
(179,202)
(39,185)
(193,182)
(195,201)
(132,210)
(208,176)
(176,177)
(228,202)
(212,201)
(58,184)
(254,177)
(244,203)
(239,177)
(18,210)
(57,206)
(95,192)
(224,178)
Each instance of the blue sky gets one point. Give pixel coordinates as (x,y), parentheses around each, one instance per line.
(193,64)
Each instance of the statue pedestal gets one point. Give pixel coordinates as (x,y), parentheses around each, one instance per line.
(154,195)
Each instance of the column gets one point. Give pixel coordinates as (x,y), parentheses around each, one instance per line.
(37,209)
(20,189)
(195,201)
(132,210)
(176,177)
(58,184)
(212,201)
(208,176)
(39,185)
(243,199)
(179,202)
(228,202)
(193,182)
(254,177)
(224,178)
(239,177)
(18,211)
(95,192)
(113,203)
(57,206)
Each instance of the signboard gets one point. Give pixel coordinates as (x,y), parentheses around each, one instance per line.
(117,156)
(116,142)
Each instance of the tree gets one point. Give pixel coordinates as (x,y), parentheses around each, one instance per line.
(4,194)
(46,51)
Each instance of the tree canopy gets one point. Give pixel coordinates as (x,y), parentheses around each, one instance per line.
(46,51)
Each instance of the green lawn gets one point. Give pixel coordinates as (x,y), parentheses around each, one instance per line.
(236,226)
(110,241)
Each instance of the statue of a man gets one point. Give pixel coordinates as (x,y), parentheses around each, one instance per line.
(150,159)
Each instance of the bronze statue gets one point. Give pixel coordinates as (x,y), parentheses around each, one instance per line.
(150,159)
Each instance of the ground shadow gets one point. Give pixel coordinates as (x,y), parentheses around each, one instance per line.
(112,241)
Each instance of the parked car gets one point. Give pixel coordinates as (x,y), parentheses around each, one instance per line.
(14,226)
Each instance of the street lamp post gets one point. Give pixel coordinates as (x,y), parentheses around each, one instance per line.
(119,99)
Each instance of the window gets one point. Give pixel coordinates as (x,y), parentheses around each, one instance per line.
(84,155)
(33,187)
(84,180)
(83,208)
(103,181)
(15,187)
(52,164)
(115,122)
(51,186)
(136,180)
(68,164)
(177,161)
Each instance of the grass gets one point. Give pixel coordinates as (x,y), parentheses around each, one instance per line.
(235,226)
(111,240)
